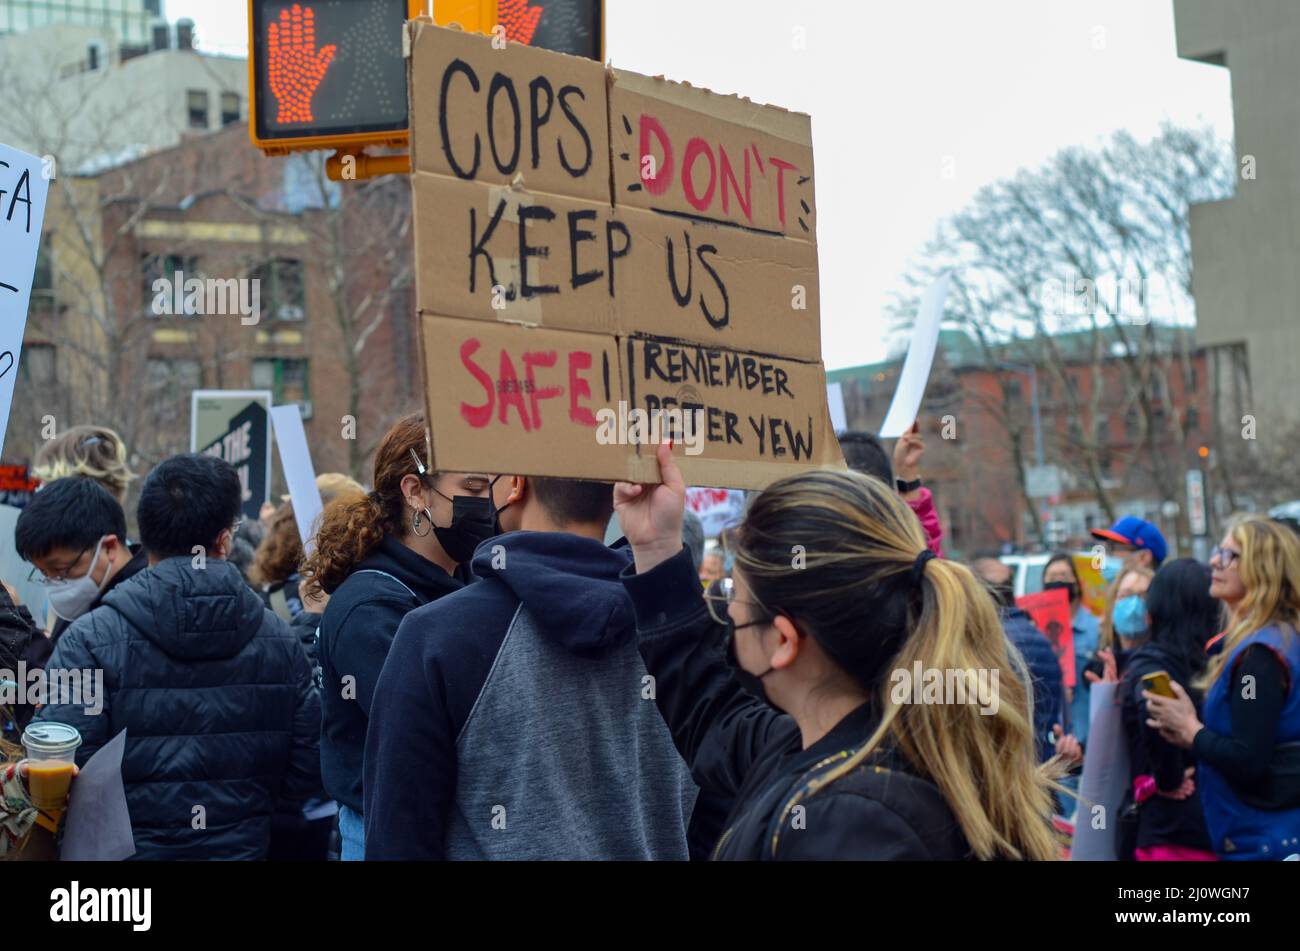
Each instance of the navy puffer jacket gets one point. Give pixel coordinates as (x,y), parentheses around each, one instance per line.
(217,699)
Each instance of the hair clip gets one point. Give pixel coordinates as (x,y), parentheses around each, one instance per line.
(419,466)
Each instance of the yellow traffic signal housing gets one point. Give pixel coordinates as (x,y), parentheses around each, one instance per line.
(329,74)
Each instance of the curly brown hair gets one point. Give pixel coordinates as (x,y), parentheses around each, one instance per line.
(280,553)
(350,529)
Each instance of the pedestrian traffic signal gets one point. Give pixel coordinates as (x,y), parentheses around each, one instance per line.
(330,74)
(327,73)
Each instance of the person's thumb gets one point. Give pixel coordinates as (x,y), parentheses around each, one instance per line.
(669,471)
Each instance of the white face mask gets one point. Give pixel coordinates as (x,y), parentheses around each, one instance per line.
(72,598)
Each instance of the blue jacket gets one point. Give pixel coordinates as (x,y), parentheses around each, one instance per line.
(355,633)
(1238,831)
(1044,674)
(515,719)
(217,699)
(1087,634)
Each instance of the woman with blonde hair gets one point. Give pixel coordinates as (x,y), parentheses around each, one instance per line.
(1247,737)
(93,452)
(825,723)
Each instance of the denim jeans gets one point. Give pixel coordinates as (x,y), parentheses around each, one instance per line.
(352,830)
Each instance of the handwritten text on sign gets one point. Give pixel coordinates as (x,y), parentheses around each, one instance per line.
(23,192)
(571,300)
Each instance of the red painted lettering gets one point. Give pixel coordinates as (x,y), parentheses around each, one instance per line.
(695,148)
(780,184)
(662,175)
(535,395)
(578,388)
(728,174)
(511,393)
(476,416)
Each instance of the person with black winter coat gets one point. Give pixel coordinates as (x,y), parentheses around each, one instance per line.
(1042,667)
(809,719)
(379,557)
(213,691)
(1168,819)
(21,643)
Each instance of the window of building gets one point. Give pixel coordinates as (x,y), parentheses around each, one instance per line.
(165,377)
(168,385)
(1193,419)
(283,294)
(288,380)
(38,364)
(198,108)
(160,299)
(229,108)
(43,279)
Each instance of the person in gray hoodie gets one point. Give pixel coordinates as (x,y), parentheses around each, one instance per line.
(514,719)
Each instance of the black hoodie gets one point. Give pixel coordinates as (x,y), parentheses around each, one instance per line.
(355,633)
(516,720)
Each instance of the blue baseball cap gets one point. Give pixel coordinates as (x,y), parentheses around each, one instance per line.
(1136,532)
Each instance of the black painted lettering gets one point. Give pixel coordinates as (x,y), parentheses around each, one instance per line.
(578,234)
(576,171)
(499,82)
(537,117)
(454,67)
(529,213)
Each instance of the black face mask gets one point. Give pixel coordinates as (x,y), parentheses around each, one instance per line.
(1070,587)
(752,684)
(474,520)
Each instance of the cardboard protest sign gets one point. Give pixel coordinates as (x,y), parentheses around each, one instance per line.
(565,332)
(488,114)
(23,192)
(234,425)
(299,473)
(682,150)
(1093,585)
(1051,613)
(1105,780)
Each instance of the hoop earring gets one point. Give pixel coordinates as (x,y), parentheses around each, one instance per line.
(415,523)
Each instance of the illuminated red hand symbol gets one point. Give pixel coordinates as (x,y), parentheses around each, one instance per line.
(519,20)
(295,66)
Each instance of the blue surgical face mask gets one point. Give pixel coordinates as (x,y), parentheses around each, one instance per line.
(1110,570)
(1130,616)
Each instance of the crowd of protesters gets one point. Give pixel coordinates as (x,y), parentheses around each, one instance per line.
(492,665)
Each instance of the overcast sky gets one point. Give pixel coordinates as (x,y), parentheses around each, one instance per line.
(915,104)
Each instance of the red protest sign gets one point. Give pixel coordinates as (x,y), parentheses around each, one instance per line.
(1051,613)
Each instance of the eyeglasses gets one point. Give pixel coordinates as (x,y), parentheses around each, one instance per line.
(39,577)
(1224,556)
(720,595)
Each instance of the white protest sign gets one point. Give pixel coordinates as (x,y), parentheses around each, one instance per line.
(718,509)
(299,473)
(916,367)
(1104,781)
(23,190)
(835,399)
